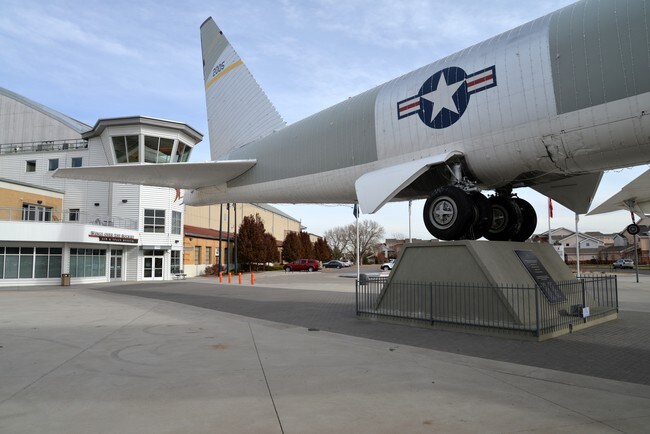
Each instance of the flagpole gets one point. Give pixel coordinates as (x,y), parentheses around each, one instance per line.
(578,245)
(550,214)
(356,216)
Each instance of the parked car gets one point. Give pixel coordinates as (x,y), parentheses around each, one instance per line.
(388,265)
(334,264)
(346,262)
(302,265)
(623,263)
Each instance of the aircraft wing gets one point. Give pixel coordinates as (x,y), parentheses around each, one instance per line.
(376,188)
(173,175)
(635,196)
(574,192)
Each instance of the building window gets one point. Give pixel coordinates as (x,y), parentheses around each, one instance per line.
(30,166)
(157,149)
(208,255)
(175,261)
(53,164)
(127,149)
(30,262)
(36,213)
(176,222)
(154,220)
(73,215)
(182,153)
(87,262)
(76,162)
(197,255)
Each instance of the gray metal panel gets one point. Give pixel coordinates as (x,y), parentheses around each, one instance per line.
(238,109)
(599,52)
(338,137)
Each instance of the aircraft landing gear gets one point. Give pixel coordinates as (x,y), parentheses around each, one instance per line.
(452,214)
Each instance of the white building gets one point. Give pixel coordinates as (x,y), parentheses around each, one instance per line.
(93,231)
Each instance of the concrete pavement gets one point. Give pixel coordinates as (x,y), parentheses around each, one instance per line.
(166,358)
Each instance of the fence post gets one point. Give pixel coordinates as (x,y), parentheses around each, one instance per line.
(584,300)
(356,295)
(537,328)
(431,302)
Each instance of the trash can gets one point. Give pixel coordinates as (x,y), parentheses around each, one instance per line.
(65,279)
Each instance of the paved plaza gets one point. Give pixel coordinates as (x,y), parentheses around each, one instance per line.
(289,355)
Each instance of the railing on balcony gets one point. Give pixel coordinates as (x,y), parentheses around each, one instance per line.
(52,216)
(43,146)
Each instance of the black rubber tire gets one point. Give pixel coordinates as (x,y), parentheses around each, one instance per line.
(287,269)
(310,269)
(482,216)
(506,219)
(528,220)
(448,213)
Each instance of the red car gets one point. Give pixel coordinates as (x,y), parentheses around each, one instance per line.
(302,265)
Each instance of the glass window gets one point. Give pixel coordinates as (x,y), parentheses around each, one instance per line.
(176,222)
(182,153)
(119,146)
(154,220)
(197,255)
(74,215)
(150,149)
(77,161)
(133,149)
(26,266)
(2,265)
(86,263)
(53,164)
(165,150)
(55,266)
(40,270)
(30,166)
(11,266)
(175,261)
(208,255)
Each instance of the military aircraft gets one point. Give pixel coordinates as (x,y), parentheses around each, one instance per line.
(549,105)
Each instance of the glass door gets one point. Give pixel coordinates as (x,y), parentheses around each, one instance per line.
(153,264)
(116,264)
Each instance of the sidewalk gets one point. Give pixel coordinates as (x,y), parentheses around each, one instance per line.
(79,360)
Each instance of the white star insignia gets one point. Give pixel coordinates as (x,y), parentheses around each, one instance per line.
(442,97)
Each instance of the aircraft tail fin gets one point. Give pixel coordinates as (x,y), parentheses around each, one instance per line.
(238,109)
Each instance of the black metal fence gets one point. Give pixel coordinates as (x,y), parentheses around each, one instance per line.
(517,309)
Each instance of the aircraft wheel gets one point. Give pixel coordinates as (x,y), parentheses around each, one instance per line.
(482,216)
(528,220)
(448,213)
(506,219)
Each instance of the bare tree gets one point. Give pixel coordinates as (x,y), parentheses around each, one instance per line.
(343,239)
(338,240)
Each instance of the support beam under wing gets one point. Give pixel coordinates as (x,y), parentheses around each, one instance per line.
(634,196)
(573,192)
(376,188)
(173,175)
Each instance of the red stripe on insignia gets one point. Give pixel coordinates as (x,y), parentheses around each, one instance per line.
(480,80)
(410,106)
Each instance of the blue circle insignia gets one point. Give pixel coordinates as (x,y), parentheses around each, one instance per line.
(443,98)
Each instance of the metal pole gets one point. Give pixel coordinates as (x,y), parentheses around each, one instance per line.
(636,259)
(236,243)
(410,238)
(220,236)
(577,245)
(357,211)
(228,240)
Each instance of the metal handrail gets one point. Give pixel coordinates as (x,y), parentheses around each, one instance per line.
(43,146)
(51,215)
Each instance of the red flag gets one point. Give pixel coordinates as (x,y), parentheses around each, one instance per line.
(550,208)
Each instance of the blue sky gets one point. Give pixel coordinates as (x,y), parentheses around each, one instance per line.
(101,59)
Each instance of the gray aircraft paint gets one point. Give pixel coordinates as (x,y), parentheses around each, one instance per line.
(596,60)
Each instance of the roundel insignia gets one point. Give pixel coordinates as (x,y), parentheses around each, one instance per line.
(444,97)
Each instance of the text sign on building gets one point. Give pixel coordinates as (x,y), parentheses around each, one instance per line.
(113,237)
(540,276)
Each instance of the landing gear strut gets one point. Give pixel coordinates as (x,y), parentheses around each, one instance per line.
(450,213)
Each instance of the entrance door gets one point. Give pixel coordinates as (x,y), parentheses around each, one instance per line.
(116,264)
(153,264)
